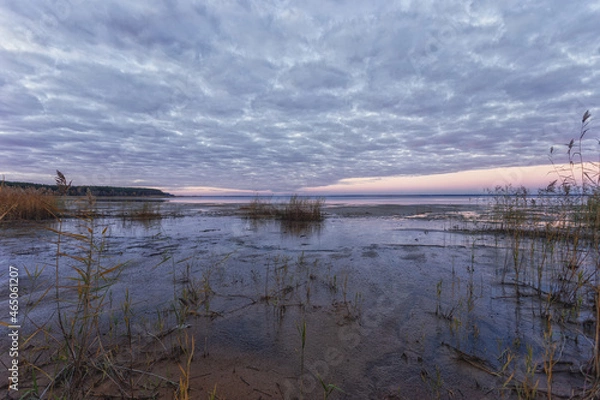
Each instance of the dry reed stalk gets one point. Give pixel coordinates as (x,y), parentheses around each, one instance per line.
(183,391)
(27,204)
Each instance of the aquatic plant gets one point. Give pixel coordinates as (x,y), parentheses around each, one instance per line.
(328,388)
(302,209)
(72,353)
(302,331)
(79,320)
(296,209)
(77,347)
(62,184)
(259,208)
(574,199)
(27,204)
(557,234)
(435,383)
(188,347)
(148,211)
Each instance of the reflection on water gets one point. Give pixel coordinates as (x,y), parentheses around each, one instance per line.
(300,228)
(286,228)
(129,224)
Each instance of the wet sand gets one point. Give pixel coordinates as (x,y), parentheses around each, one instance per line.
(397,301)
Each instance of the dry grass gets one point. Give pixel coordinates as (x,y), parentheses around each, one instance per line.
(183,391)
(27,204)
(259,208)
(146,212)
(302,209)
(297,209)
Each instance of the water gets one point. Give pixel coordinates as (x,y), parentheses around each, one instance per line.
(459,199)
(368,288)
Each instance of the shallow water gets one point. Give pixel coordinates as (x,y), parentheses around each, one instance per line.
(392,301)
(364,200)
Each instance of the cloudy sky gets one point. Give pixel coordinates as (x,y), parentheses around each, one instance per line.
(321,95)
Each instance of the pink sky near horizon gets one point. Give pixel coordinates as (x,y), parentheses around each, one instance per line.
(464,182)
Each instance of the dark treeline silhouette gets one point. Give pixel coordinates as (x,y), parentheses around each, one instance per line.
(99,191)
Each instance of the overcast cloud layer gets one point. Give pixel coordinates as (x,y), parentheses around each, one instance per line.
(278,95)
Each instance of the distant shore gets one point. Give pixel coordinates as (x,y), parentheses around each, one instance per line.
(97,191)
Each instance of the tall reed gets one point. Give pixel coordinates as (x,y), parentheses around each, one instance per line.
(578,184)
(79,340)
(27,204)
(74,348)
(558,233)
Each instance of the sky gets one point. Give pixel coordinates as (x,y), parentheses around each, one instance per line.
(315,96)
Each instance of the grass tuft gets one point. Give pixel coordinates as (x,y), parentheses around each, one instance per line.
(259,208)
(302,209)
(147,211)
(297,209)
(27,204)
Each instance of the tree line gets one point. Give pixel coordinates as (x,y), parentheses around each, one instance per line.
(98,191)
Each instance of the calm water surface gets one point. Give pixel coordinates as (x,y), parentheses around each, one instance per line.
(346,200)
(368,287)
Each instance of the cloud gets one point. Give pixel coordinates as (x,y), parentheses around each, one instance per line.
(276,96)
